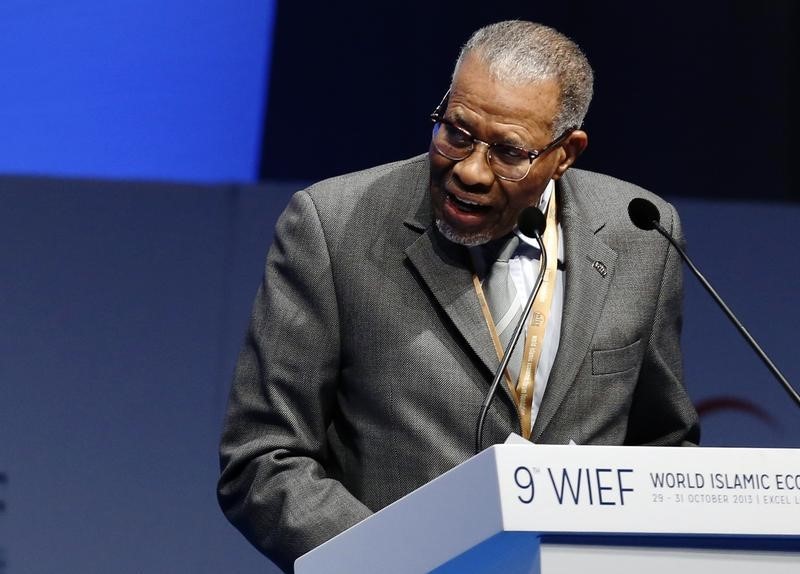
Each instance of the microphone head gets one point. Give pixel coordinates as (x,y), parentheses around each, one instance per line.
(531,221)
(643,213)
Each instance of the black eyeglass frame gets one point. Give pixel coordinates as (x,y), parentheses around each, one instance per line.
(437,117)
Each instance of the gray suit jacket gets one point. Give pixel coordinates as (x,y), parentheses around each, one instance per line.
(367,357)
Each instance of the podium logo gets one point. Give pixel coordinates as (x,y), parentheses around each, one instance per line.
(523,476)
(577,486)
(603,486)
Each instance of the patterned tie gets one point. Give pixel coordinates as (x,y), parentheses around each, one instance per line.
(504,302)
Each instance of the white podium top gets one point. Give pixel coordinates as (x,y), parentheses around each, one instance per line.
(574,489)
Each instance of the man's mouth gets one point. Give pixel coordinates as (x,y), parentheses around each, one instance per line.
(465,204)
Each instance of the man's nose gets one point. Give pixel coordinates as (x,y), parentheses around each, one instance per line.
(475,168)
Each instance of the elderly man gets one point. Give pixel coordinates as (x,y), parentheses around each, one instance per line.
(376,331)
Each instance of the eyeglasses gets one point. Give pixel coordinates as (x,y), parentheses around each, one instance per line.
(508,162)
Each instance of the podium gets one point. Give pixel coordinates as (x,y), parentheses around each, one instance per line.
(517,509)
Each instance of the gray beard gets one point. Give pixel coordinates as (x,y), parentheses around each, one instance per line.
(467,240)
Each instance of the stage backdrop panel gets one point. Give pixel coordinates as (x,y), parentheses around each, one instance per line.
(123,308)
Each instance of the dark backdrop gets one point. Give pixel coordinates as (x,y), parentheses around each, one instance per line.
(691,98)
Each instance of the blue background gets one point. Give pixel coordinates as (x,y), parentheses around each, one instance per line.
(147,150)
(168,89)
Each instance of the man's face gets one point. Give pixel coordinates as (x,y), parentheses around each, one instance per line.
(470,203)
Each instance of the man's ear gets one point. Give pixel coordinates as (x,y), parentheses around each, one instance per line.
(572,147)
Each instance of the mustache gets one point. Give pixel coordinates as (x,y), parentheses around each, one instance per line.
(454,185)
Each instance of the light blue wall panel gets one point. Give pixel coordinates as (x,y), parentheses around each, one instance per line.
(143,89)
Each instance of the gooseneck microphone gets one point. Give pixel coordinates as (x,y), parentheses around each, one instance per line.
(645,215)
(531,223)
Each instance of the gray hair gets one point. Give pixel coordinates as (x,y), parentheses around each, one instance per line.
(523,52)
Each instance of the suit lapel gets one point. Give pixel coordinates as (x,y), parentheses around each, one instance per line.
(446,270)
(589,269)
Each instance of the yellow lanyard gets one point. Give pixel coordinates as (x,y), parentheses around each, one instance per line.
(534,337)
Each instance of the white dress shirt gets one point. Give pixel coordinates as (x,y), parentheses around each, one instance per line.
(523,268)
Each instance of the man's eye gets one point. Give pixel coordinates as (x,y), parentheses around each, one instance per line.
(456,137)
(509,154)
